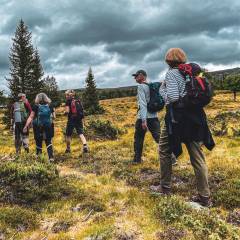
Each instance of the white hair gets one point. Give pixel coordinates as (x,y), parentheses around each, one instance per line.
(42,98)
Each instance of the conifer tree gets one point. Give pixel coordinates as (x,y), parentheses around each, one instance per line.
(21,61)
(90,95)
(36,83)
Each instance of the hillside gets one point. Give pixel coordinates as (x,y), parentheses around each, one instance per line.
(103,196)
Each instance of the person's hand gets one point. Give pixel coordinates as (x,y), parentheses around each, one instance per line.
(25,129)
(144,125)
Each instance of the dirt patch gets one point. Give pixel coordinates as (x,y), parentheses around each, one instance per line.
(234,217)
(171,234)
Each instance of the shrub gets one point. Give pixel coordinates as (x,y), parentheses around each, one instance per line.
(19,218)
(103,129)
(228,194)
(225,123)
(170,209)
(28,181)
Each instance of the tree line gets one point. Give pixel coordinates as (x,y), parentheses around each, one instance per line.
(226,80)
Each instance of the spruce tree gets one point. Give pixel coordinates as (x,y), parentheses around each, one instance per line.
(21,61)
(52,90)
(90,95)
(36,83)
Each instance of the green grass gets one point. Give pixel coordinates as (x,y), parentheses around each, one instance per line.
(110,196)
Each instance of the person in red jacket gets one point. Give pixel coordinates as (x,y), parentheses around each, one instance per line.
(20,111)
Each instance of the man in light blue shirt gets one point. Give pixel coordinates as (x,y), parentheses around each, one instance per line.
(145,119)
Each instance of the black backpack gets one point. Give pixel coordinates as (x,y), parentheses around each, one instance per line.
(156,102)
(198,89)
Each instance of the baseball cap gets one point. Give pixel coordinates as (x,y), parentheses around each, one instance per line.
(139,72)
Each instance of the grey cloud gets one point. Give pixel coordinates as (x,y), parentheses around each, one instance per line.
(118,37)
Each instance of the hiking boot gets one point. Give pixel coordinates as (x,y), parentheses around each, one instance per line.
(26,150)
(51,160)
(67,150)
(85,149)
(160,190)
(136,161)
(204,201)
(174,160)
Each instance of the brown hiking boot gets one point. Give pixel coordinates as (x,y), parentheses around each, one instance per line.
(160,190)
(204,201)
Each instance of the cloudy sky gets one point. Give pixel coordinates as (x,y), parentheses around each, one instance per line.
(117,38)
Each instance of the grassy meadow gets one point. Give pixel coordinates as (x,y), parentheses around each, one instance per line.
(101,195)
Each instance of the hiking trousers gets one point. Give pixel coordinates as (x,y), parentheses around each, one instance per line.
(197,160)
(139,135)
(20,138)
(41,135)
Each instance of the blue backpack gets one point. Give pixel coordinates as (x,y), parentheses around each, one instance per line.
(156,102)
(44,116)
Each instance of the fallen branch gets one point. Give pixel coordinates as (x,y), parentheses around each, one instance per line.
(88,216)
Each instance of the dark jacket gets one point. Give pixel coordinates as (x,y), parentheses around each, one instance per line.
(187,125)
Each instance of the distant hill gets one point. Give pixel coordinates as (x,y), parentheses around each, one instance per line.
(224,73)
(109,93)
(217,77)
(116,92)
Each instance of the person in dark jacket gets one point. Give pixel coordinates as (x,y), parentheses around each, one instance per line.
(183,125)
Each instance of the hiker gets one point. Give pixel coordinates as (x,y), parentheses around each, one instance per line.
(74,111)
(20,111)
(145,120)
(184,123)
(42,117)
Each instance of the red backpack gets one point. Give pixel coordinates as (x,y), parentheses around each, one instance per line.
(76,109)
(198,89)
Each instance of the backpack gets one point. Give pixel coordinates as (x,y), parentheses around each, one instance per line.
(20,112)
(156,102)
(198,89)
(76,109)
(44,116)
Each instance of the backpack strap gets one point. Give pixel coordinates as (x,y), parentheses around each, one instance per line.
(200,81)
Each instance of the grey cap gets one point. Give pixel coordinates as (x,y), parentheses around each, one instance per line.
(140,72)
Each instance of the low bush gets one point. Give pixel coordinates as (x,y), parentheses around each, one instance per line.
(28,181)
(19,218)
(228,194)
(170,209)
(103,129)
(226,124)
(204,224)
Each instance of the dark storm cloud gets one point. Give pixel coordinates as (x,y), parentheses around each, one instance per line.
(118,37)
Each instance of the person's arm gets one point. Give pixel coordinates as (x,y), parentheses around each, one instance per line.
(142,102)
(53,113)
(29,120)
